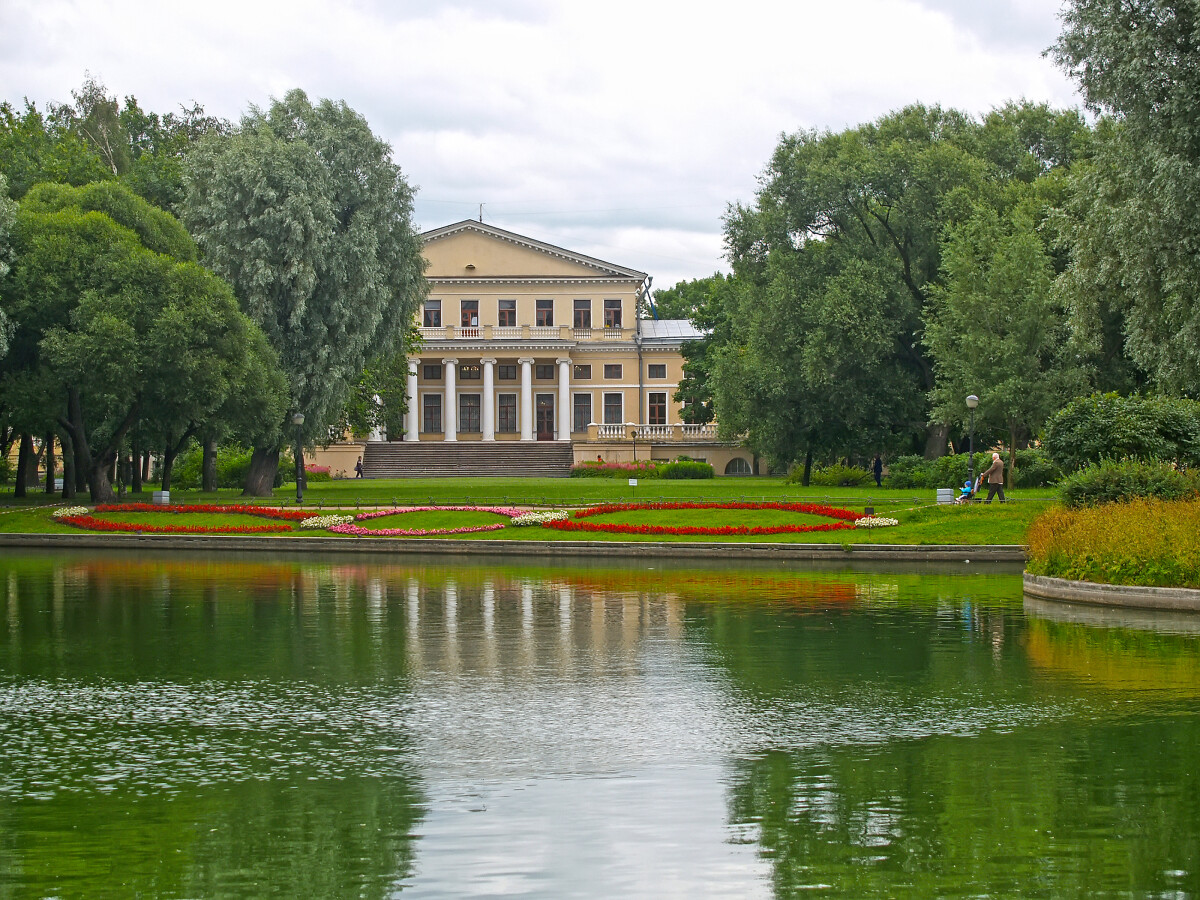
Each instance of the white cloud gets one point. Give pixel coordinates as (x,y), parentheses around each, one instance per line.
(626,127)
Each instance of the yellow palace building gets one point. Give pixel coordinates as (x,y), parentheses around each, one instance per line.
(533,358)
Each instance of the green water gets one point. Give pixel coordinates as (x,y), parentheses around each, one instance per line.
(247,727)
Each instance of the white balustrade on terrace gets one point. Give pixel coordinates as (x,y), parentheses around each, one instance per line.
(507,332)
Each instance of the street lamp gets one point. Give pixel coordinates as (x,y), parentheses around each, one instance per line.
(298,420)
(972,402)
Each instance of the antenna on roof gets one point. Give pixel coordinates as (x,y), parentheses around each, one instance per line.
(481,213)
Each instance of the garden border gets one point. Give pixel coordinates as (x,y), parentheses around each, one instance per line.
(1115,595)
(980,553)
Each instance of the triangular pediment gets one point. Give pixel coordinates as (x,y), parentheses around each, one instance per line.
(474,250)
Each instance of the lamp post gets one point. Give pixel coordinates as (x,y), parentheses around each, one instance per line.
(298,421)
(972,402)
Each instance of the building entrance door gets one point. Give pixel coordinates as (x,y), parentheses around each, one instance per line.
(544,407)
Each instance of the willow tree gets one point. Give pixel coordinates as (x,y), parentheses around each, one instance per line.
(304,212)
(1136,210)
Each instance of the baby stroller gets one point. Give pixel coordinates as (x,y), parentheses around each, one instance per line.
(967,492)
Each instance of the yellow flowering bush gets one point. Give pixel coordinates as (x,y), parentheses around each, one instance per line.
(1146,542)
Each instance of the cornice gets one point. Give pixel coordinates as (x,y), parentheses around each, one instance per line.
(610,269)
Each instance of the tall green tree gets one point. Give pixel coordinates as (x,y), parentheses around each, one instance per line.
(1135,223)
(994,328)
(304,212)
(33,149)
(8,215)
(114,320)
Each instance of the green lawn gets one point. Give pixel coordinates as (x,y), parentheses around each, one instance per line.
(922,522)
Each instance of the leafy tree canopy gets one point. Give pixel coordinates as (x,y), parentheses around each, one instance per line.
(303,211)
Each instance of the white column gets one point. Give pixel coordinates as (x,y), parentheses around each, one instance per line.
(564,399)
(413,431)
(526,398)
(489,401)
(449,413)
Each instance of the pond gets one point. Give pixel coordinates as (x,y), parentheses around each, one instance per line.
(241,726)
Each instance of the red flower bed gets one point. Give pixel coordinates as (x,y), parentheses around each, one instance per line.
(93,524)
(847,519)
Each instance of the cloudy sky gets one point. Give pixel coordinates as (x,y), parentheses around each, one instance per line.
(620,129)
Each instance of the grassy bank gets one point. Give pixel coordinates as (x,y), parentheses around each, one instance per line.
(1145,542)
(921,522)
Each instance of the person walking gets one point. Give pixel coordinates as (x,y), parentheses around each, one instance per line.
(877,470)
(994,476)
(358,468)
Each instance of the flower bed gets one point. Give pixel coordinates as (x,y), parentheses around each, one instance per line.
(876,522)
(69,516)
(359,531)
(540,518)
(846,519)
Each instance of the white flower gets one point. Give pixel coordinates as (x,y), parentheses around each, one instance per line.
(537,518)
(326,521)
(69,511)
(875,522)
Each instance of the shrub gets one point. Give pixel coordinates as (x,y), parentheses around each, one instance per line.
(1109,426)
(1034,469)
(232,465)
(314,474)
(685,468)
(5,470)
(640,469)
(1113,481)
(906,472)
(1148,542)
(838,475)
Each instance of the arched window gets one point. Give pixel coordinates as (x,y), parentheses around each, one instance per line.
(738,466)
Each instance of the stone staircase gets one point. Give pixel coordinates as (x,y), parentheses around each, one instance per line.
(429,459)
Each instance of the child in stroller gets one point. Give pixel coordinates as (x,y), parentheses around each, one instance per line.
(967,491)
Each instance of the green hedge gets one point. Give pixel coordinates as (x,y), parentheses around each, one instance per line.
(836,475)
(1034,469)
(1120,480)
(232,465)
(1109,426)
(680,468)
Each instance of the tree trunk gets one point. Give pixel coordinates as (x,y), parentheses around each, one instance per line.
(168,466)
(24,457)
(101,483)
(260,479)
(144,462)
(49,451)
(936,441)
(805,478)
(208,466)
(68,458)
(135,452)
(34,462)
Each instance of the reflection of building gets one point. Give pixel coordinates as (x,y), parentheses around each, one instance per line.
(534,356)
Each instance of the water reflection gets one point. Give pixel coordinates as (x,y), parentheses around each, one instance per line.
(249,727)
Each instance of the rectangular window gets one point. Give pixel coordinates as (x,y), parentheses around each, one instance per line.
(658,370)
(612,370)
(612,313)
(431,421)
(583,313)
(469,372)
(544,312)
(469,313)
(543,372)
(506,413)
(582,373)
(658,409)
(612,409)
(432,372)
(507,314)
(433,314)
(506,373)
(468,413)
(583,412)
